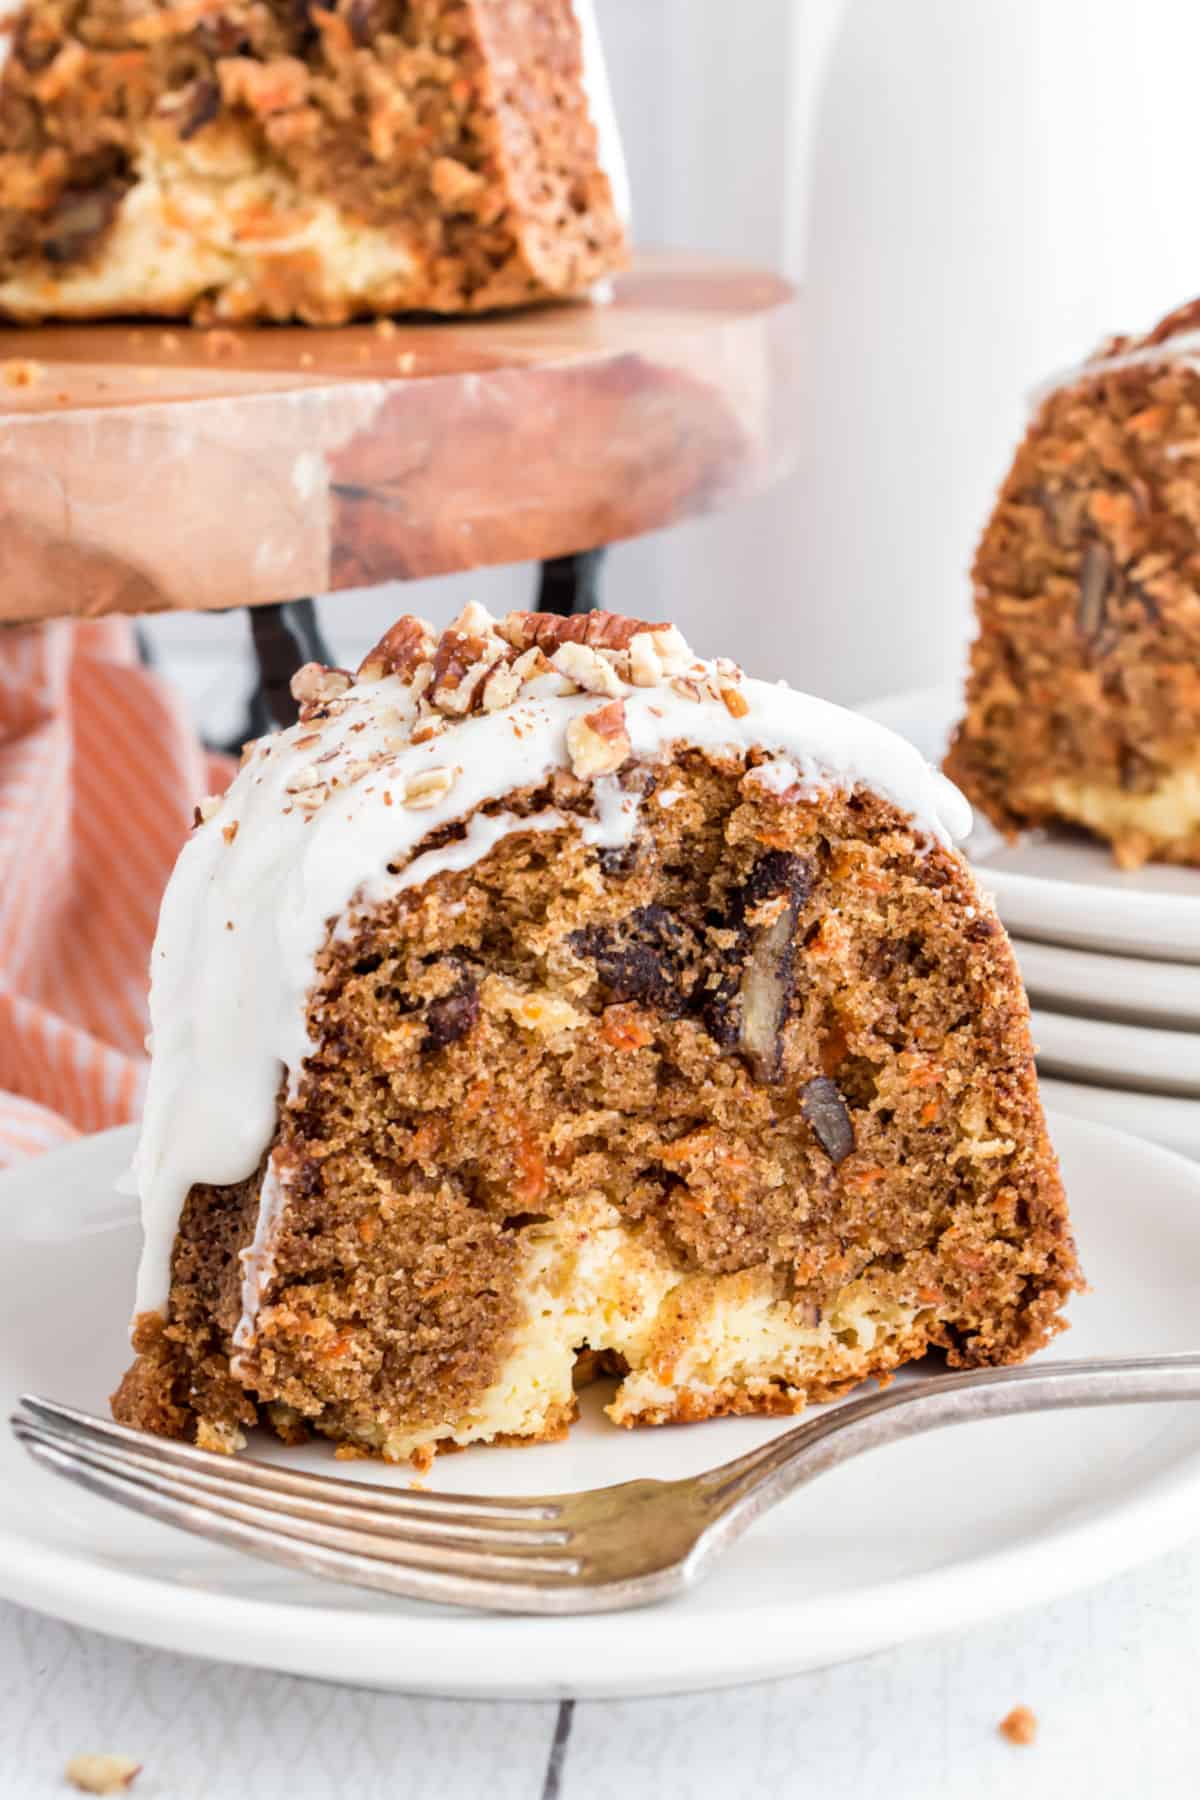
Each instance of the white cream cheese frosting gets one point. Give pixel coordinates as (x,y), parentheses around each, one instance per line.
(1183,347)
(331,814)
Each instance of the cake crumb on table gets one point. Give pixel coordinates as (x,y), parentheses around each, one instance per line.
(102,1774)
(1019,1726)
(20,371)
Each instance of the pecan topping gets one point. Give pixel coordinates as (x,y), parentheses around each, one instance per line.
(597,742)
(315,685)
(599,630)
(460,663)
(587,669)
(400,651)
(426,789)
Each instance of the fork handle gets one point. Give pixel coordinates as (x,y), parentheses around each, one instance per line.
(757,1481)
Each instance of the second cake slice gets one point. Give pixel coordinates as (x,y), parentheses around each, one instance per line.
(1083,701)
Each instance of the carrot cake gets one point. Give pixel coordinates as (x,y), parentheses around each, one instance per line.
(279,159)
(1083,700)
(549,1001)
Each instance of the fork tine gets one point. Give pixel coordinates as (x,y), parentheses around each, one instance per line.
(398,1550)
(143,1460)
(400,1503)
(534,1593)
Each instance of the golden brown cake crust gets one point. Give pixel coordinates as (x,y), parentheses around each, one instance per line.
(1083,701)
(460,127)
(559,1023)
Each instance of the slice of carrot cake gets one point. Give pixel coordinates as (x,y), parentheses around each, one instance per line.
(548,999)
(279,159)
(1083,700)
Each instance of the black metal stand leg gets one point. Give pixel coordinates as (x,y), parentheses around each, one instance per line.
(571,584)
(286,635)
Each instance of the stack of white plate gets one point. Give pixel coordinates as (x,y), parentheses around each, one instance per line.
(1111,959)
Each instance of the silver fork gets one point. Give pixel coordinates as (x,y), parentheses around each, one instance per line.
(628,1545)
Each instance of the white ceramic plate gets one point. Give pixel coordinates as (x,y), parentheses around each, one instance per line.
(918,1538)
(1123,1056)
(1056,885)
(1128,987)
(1162,1118)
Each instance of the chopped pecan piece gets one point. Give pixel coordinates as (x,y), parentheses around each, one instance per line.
(766,993)
(400,651)
(1095,585)
(427,788)
(827,1113)
(549,631)
(460,666)
(748,1009)
(315,685)
(597,742)
(587,669)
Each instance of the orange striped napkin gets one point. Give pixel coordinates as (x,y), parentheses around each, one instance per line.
(99,772)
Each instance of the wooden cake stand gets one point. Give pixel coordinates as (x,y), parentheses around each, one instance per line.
(146,467)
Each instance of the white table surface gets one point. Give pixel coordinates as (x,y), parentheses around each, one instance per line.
(1111,1675)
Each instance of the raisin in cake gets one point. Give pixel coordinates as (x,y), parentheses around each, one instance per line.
(1083,701)
(548,1000)
(278,159)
